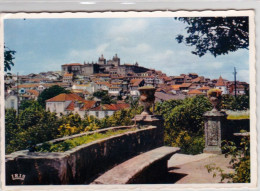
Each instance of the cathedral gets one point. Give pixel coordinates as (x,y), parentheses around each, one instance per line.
(104,66)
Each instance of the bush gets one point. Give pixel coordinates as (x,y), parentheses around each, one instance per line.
(184,125)
(230,102)
(240,161)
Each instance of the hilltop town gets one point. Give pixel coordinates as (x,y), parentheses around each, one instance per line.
(119,81)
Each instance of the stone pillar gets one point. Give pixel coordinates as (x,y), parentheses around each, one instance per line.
(147,118)
(214,122)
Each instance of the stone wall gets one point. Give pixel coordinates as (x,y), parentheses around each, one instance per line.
(82,164)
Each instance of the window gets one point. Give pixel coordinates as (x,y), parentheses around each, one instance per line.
(106,113)
(96,113)
(12,103)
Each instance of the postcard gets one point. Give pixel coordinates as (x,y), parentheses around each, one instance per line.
(130,100)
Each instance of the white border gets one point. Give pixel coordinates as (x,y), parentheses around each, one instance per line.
(134,14)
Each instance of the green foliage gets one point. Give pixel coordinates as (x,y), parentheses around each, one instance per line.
(8,58)
(8,63)
(72,143)
(11,128)
(26,103)
(103,95)
(184,125)
(33,125)
(230,102)
(49,93)
(217,35)
(240,161)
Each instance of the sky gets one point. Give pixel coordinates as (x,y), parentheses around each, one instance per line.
(43,45)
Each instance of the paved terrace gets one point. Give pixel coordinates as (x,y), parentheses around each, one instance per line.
(190,169)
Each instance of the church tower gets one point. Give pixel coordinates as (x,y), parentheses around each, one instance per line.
(102,60)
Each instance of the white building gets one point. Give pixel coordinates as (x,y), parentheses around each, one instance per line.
(107,109)
(11,102)
(221,85)
(63,104)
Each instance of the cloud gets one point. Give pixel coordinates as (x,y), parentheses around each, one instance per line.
(243,75)
(127,27)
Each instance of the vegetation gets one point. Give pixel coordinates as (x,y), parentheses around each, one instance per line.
(8,59)
(8,63)
(34,125)
(229,102)
(183,121)
(72,143)
(216,35)
(240,161)
(104,97)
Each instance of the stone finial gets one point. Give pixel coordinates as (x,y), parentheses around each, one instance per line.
(147,98)
(215,98)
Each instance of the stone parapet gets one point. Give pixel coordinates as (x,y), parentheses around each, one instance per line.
(81,164)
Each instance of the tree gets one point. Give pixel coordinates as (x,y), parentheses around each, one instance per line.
(49,93)
(8,62)
(8,59)
(217,35)
(103,95)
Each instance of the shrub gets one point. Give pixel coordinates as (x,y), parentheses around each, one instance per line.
(240,161)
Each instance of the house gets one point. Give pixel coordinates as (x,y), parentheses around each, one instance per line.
(240,89)
(114,90)
(90,87)
(185,86)
(11,101)
(204,89)
(101,85)
(195,92)
(134,85)
(102,111)
(176,89)
(178,79)
(63,104)
(221,85)
(33,94)
(67,78)
(193,75)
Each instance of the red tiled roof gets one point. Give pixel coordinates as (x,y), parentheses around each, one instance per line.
(111,107)
(67,75)
(197,92)
(178,77)
(70,106)
(136,82)
(65,97)
(88,105)
(220,82)
(196,79)
(175,87)
(34,92)
(204,88)
(185,85)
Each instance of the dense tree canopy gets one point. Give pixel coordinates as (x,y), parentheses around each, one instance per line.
(217,35)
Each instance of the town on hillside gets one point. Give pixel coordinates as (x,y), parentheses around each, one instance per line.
(119,81)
